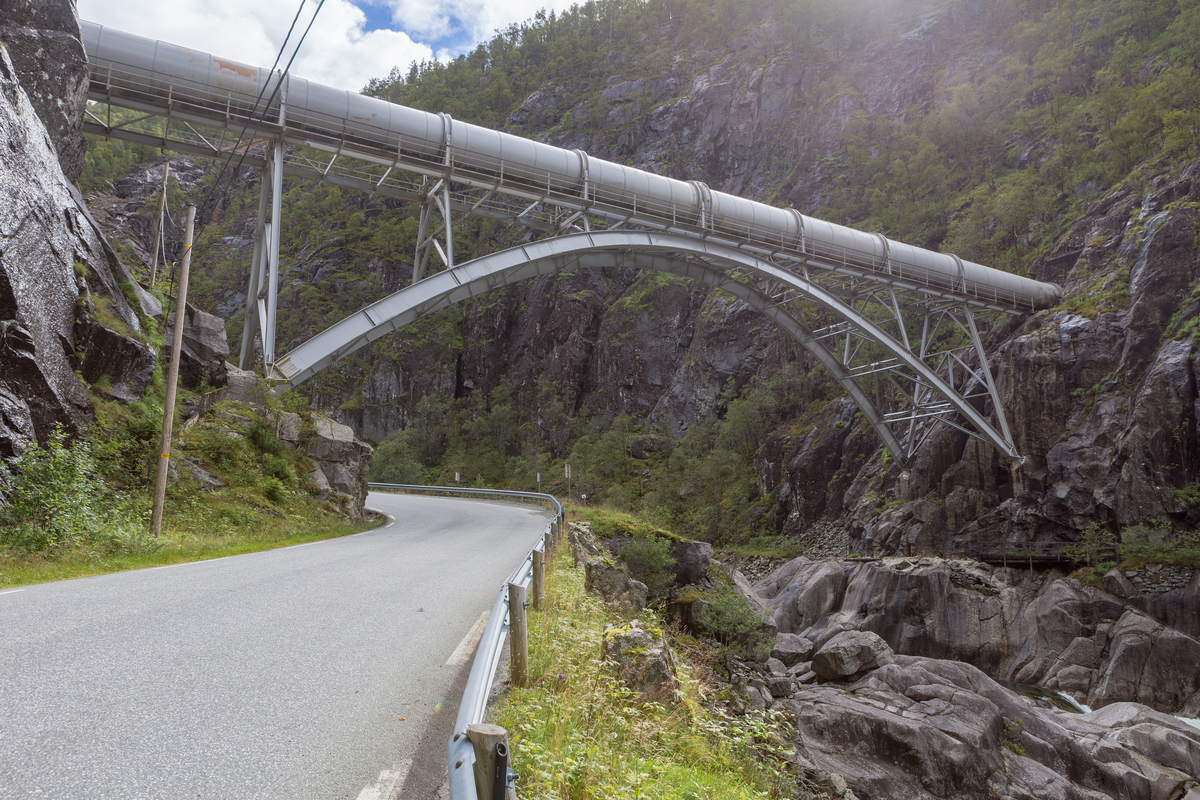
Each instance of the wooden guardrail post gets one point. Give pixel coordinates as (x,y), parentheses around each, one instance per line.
(491,773)
(539,579)
(518,633)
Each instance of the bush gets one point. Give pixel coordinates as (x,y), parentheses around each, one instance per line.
(279,468)
(274,490)
(730,620)
(649,560)
(52,497)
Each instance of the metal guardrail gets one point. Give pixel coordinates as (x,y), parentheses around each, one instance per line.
(460,755)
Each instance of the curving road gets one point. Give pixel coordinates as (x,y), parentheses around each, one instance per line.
(313,671)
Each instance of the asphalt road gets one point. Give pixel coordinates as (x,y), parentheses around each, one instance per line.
(314,671)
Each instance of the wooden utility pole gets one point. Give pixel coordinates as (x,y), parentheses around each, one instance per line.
(162,207)
(164,450)
(518,633)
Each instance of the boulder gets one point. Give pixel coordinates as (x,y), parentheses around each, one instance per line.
(342,460)
(643,659)
(851,653)
(127,363)
(1117,584)
(791,649)
(242,384)
(691,561)
(1147,662)
(207,481)
(288,428)
(583,546)
(614,585)
(644,446)
(202,357)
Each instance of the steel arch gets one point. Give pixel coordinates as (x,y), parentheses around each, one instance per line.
(771,289)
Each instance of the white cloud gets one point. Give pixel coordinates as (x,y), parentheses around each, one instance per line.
(466,21)
(337,51)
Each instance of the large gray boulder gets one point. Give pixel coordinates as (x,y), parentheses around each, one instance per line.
(583,545)
(205,348)
(791,649)
(613,584)
(126,363)
(340,463)
(691,561)
(1147,662)
(851,653)
(643,659)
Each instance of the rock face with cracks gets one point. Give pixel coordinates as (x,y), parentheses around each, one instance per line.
(920,729)
(1048,631)
(55,268)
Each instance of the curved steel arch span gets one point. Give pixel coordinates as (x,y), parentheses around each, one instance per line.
(907,366)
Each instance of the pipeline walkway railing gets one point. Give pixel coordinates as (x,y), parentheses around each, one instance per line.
(460,754)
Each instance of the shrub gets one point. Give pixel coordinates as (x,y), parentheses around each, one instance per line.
(279,468)
(649,560)
(274,490)
(52,497)
(730,620)
(262,438)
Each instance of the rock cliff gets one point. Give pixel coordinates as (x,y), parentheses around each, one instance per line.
(63,305)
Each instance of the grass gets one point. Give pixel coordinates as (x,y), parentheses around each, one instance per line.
(768,547)
(608,523)
(202,528)
(577,733)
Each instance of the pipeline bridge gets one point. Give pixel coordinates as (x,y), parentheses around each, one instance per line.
(898,326)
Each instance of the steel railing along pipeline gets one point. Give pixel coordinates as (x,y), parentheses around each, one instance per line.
(459,752)
(193,87)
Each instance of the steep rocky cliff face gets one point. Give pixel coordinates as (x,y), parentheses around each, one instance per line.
(61,286)
(43,40)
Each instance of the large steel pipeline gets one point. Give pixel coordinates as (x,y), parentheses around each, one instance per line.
(157,77)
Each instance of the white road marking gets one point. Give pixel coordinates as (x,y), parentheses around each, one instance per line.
(12,591)
(386,784)
(467,645)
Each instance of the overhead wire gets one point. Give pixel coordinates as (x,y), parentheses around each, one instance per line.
(254,109)
(254,115)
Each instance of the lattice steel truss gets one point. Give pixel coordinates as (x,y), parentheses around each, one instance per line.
(904,341)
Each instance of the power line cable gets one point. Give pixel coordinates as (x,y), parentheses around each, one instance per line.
(279,84)
(254,109)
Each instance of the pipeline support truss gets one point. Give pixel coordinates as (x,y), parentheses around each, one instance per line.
(898,326)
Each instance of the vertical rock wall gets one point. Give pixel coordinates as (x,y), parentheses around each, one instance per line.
(55,266)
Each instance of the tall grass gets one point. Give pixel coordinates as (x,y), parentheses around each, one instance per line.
(579,734)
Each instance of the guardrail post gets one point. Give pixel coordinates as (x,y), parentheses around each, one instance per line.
(539,580)
(487,740)
(518,634)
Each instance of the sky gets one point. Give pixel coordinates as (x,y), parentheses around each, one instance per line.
(351,42)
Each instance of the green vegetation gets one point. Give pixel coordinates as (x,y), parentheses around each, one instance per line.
(1012,733)
(649,561)
(578,732)
(1052,105)
(82,506)
(1095,541)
